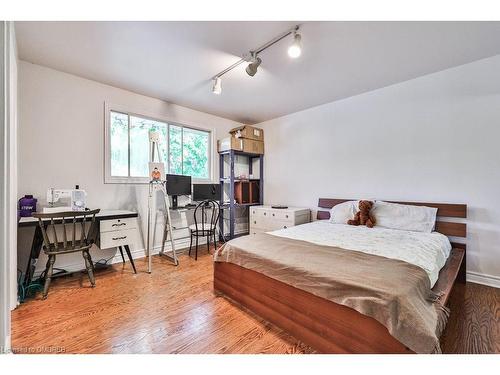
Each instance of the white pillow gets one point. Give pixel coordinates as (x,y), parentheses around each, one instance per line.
(404,217)
(342,212)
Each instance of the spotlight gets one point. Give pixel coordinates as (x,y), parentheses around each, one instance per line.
(252,67)
(295,49)
(217,87)
(254,62)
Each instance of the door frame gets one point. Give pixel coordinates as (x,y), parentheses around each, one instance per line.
(8,176)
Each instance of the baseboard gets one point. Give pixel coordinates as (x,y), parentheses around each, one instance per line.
(478,278)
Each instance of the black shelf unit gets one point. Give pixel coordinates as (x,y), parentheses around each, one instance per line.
(231,179)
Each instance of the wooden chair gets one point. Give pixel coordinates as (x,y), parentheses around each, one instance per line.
(52,246)
(208,212)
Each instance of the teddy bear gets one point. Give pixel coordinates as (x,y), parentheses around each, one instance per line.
(363,217)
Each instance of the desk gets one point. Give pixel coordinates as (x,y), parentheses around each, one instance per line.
(106,216)
(181,221)
(181,208)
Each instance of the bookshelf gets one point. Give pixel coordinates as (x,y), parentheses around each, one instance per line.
(230,180)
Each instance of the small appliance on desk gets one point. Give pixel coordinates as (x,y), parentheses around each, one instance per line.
(76,198)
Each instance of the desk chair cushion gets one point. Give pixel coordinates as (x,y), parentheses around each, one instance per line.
(205,227)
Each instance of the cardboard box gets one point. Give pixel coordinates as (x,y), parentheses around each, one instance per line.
(240,144)
(248,132)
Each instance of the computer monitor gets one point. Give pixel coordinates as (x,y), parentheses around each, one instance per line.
(178,185)
(206,191)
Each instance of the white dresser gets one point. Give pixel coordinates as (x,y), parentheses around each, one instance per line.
(265,218)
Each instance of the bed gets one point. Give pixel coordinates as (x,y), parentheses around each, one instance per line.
(286,293)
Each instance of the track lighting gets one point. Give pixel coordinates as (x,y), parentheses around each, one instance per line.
(252,67)
(217,87)
(295,49)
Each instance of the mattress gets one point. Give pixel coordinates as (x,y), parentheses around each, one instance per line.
(428,251)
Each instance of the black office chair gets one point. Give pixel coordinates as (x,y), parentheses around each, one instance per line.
(206,217)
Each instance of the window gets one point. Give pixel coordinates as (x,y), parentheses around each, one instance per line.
(184,150)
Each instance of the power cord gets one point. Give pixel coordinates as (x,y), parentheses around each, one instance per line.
(103,262)
(36,285)
(28,290)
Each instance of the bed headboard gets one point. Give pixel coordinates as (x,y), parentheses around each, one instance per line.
(445,210)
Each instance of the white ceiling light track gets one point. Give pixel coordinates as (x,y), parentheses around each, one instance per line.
(254,60)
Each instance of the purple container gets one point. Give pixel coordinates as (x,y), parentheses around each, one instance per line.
(27,205)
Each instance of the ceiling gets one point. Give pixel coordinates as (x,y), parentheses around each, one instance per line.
(174,61)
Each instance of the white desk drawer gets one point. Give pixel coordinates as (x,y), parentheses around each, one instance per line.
(118,224)
(118,238)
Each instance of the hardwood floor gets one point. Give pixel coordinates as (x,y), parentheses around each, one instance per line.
(474,323)
(174,310)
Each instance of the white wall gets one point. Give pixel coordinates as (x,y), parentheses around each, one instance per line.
(434,138)
(61,134)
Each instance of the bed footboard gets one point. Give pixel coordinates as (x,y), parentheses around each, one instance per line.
(324,325)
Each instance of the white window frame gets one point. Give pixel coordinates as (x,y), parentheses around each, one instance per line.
(109,179)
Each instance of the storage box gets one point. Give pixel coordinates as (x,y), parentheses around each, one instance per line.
(240,144)
(254,191)
(242,192)
(248,132)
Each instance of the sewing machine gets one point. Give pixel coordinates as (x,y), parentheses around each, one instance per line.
(75,197)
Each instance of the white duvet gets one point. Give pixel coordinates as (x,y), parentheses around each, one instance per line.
(425,250)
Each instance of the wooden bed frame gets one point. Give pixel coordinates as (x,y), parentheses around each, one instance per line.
(327,326)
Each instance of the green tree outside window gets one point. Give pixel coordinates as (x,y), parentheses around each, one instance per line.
(183,150)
